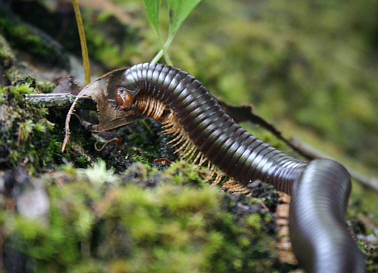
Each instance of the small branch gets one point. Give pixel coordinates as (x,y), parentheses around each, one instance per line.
(312,153)
(60,100)
(245,113)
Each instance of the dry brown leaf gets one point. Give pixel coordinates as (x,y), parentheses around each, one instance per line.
(109,116)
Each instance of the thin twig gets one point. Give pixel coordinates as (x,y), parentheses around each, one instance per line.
(60,101)
(312,153)
(67,124)
(245,113)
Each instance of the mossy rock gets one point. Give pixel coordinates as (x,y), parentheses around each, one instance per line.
(28,39)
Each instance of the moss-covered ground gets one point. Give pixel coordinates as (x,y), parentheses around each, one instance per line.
(140,221)
(118,210)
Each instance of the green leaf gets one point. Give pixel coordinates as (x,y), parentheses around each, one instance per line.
(153,10)
(178,11)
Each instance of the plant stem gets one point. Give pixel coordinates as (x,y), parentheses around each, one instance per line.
(157,57)
(168,59)
(83,43)
(164,52)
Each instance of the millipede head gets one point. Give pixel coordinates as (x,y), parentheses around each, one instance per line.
(122,89)
(123,98)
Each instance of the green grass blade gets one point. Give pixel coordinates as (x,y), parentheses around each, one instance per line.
(179,10)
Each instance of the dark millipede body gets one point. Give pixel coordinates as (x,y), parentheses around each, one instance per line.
(319,189)
(317,224)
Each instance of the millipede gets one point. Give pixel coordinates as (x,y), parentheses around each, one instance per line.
(204,134)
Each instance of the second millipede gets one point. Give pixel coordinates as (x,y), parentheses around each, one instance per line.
(203,132)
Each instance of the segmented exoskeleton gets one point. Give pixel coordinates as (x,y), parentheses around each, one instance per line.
(203,132)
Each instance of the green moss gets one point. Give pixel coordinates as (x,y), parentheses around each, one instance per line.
(122,227)
(2,92)
(22,35)
(136,156)
(99,174)
(183,172)
(254,221)
(19,91)
(24,130)
(14,74)
(40,127)
(26,136)
(27,39)
(6,54)
(45,87)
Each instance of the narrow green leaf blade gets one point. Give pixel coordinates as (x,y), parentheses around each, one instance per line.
(153,10)
(179,10)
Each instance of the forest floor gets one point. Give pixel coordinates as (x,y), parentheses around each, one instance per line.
(120,208)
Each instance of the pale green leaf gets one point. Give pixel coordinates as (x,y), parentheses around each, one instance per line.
(178,11)
(153,10)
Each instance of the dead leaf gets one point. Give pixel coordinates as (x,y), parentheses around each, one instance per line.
(109,116)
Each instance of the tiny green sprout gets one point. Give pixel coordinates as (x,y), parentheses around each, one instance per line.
(45,87)
(39,127)
(81,159)
(44,111)
(24,130)
(19,91)
(99,174)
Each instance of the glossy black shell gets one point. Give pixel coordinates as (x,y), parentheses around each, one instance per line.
(320,189)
